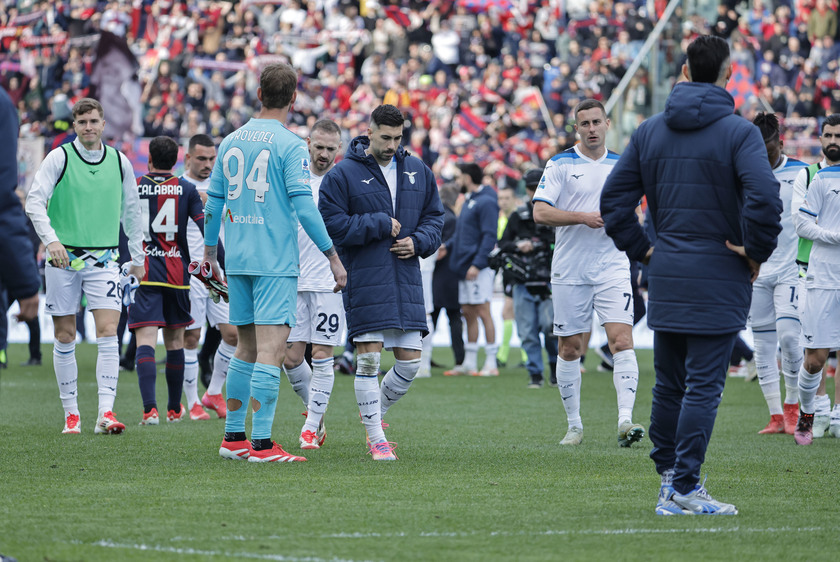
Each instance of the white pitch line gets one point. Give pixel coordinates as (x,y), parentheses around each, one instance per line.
(434,534)
(176,550)
(552,532)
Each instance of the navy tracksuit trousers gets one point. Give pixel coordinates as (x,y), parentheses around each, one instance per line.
(690,373)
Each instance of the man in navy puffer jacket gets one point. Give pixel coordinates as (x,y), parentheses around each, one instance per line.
(382,210)
(474,238)
(715,205)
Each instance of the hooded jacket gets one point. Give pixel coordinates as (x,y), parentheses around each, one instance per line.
(707,180)
(475,232)
(383,291)
(19,275)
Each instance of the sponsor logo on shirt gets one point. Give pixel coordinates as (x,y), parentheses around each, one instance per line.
(154,252)
(243,219)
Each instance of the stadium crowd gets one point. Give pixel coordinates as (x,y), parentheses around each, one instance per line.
(505,73)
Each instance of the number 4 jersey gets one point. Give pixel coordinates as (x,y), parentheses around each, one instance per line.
(261,166)
(166,204)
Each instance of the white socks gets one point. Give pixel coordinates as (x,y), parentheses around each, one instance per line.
(66,375)
(568,383)
(490,351)
(792,355)
(625,380)
(320,388)
(767,370)
(299,378)
(107,371)
(366,385)
(428,347)
(396,382)
(822,405)
(808,385)
(191,376)
(221,364)
(471,356)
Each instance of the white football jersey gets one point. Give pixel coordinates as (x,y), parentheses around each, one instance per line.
(782,262)
(194,236)
(821,212)
(315,273)
(573,182)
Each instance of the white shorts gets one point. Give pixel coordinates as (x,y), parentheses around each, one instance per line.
(774,299)
(65,286)
(478,291)
(319,319)
(573,305)
(393,338)
(820,328)
(202,307)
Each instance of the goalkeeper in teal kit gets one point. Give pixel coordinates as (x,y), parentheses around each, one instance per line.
(260,189)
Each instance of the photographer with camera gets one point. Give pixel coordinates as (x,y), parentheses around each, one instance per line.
(524,253)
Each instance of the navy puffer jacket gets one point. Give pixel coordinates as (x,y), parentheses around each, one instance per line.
(475,233)
(707,180)
(383,291)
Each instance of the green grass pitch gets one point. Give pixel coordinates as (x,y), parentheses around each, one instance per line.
(480,477)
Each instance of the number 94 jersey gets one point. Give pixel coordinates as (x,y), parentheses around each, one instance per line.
(166,204)
(261,166)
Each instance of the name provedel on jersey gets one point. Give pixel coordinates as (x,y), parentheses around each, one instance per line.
(254,136)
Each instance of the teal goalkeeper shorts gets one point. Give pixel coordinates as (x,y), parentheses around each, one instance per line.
(262,300)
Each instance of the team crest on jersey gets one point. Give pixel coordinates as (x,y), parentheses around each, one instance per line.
(410,176)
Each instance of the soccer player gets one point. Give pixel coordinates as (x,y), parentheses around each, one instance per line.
(320,311)
(588,273)
(381,207)
(818,219)
(714,201)
(475,237)
(507,205)
(199,161)
(774,314)
(162,300)
(262,176)
(427,273)
(831,157)
(90,188)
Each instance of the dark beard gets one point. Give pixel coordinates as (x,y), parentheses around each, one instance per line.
(832,153)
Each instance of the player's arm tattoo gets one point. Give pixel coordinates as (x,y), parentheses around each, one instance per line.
(331,252)
(211,251)
(289,345)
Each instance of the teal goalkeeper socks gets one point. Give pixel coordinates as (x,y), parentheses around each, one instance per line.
(238,385)
(265,382)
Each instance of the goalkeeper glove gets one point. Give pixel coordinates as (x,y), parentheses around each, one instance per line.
(216,286)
